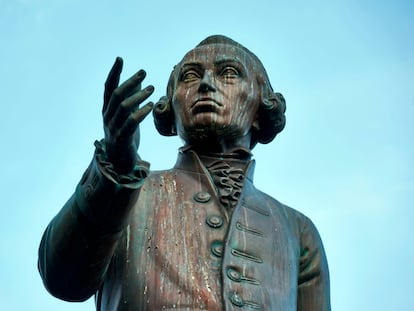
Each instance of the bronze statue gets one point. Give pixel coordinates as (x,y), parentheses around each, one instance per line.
(199,236)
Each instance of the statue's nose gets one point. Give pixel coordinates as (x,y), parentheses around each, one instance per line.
(207,83)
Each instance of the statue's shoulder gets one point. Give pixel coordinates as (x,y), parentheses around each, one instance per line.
(161,175)
(290,213)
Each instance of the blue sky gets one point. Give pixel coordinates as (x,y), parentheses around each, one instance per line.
(345,158)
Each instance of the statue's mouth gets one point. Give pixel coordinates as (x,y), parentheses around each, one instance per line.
(205,104)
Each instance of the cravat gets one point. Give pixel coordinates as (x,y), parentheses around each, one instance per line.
(229,182)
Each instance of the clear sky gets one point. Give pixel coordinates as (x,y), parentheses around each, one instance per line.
(345,158)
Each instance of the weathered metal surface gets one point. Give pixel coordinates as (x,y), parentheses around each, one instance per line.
(199,236)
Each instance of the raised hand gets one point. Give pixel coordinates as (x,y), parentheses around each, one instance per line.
(122,115)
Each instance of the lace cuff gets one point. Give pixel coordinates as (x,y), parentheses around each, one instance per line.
(132,180)
(105,197)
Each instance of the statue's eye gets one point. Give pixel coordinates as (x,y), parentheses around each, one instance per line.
(190,75)
(230,72)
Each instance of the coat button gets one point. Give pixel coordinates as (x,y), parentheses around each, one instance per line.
(236,300)
(233,275)
(214,221)
(217,248)
(202,197)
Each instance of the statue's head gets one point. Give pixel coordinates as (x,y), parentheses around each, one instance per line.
(220,89)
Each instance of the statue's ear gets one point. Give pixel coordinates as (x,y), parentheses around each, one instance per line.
(164,118)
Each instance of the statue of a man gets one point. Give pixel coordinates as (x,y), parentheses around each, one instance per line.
(199,236)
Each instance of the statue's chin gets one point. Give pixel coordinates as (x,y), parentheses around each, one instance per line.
(213,137)
(204,134)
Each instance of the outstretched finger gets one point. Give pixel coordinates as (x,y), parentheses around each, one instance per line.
(132,85)
(136,118)
(137,98)
(112,81)
(127,107)
(122,95)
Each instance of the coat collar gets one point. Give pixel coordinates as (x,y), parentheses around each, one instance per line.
(189,160)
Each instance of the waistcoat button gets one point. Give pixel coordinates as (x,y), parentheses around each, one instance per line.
(202,197)
(236,300)
(214,221)
(233,275)
(217,248)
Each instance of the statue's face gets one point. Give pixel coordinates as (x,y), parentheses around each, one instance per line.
(216,93)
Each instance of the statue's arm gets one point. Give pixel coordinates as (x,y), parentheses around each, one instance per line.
(313,283)
(80,241)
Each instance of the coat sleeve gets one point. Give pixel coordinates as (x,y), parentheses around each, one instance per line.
(313,282)
(78,244)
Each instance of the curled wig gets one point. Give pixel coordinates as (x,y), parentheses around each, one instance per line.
(271,113)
